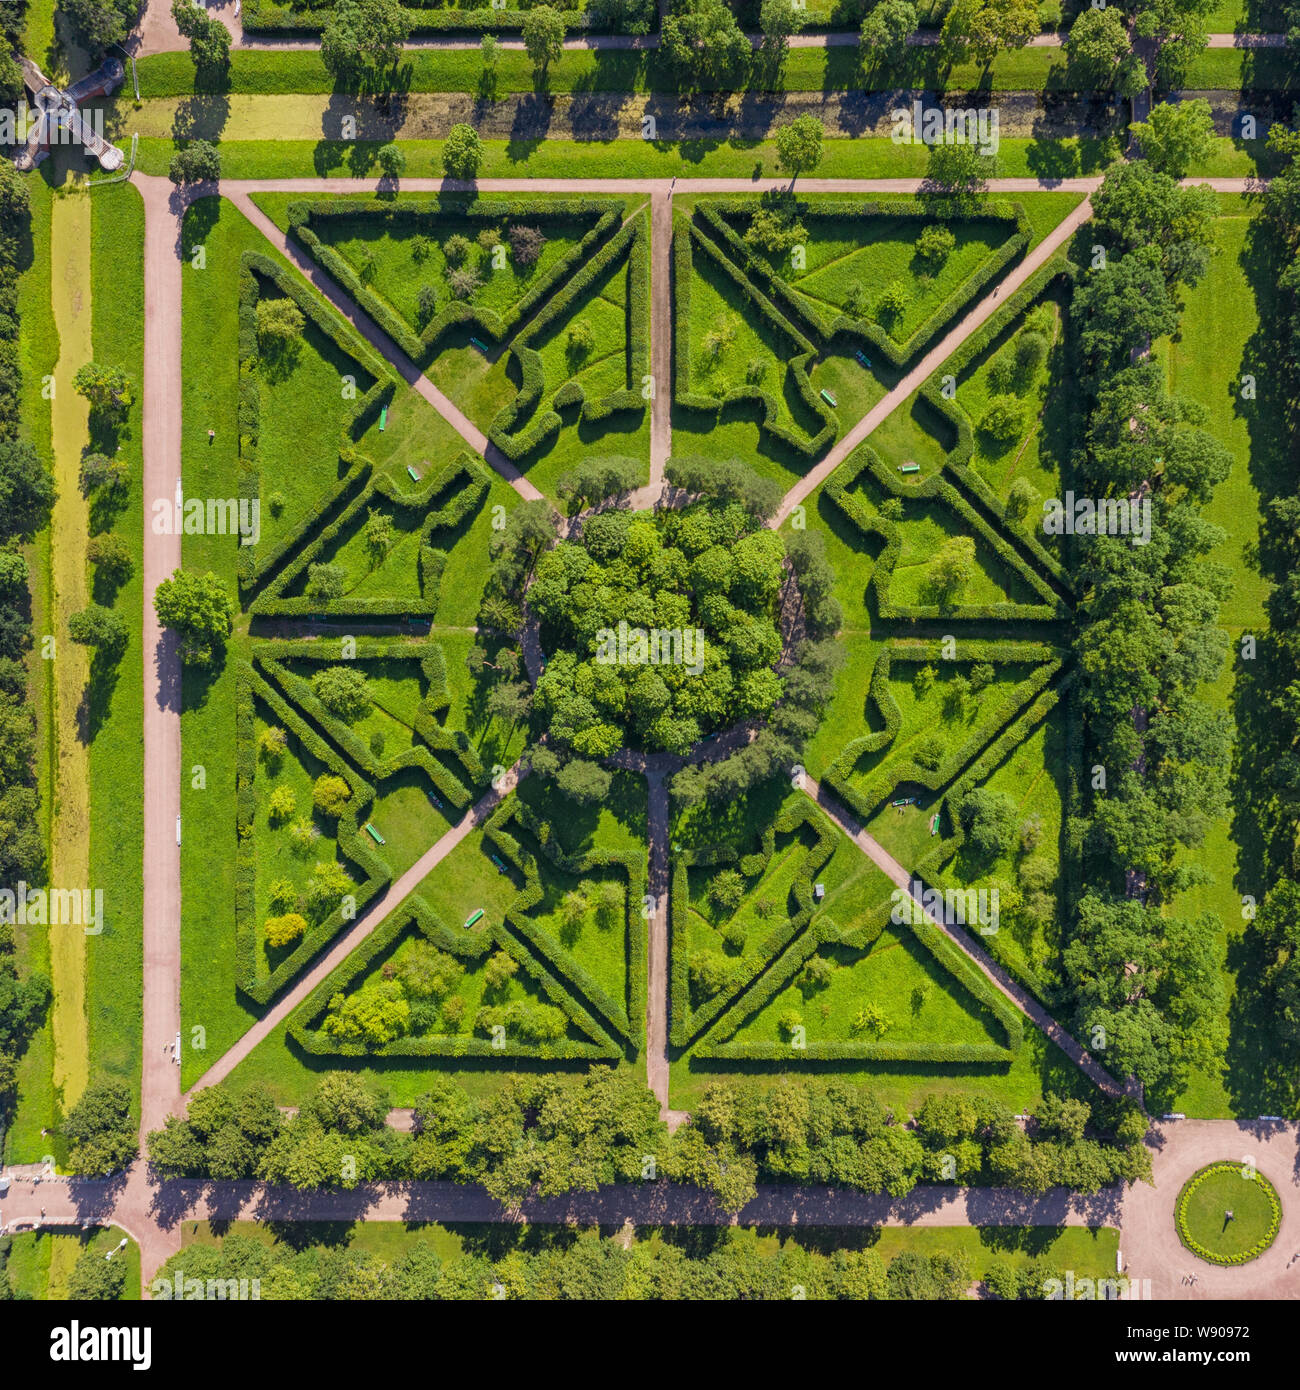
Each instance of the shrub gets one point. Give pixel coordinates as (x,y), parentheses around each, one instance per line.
(1021,499)
(285,930)
(580,340)
(344,691)
(1003,418)
(272,744)
(935,244)
(282,805)
(726,891)
(282,895)
(525,244)
(463,282)
(110,555)
(392,160)
(330,794)
(426,304)
(893,300)
(456,249)
(326,581)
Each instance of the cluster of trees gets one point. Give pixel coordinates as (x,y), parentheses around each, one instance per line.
(824,1131)
(1145,986)
(464,261)
(26,496)
(706,48)
(1274,678)
(561,1264)
(93,1279)
(705,569)
(552,1134)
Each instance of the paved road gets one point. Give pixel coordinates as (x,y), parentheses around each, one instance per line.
(343,946)
(157,33)
(162,672)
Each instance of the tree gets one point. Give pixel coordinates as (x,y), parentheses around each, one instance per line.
(363,39)
(960,173)
(703,44)
(799,145)
(284,930)
(105,474)
(209,38)
(1003,418)
(282,805)
(543,32)
(96,1278)
(379,534)
(330,794)
(622,16)
(1097,41)
(935,244)
(989,820)
(378,1013)
(97,24)
(279,321)
(111,556)
(198,162)
(198,609)
(1021,499)
(99,1130)
(101,628)
(462,152)
(27,491)
(344,691)
(585,782)
(1137,206)
(983,28)
(778,20)
(726,891)
(885,32)
(392,160)
(952,568)
(109,390)
(1176,135)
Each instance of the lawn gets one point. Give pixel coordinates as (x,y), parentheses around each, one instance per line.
(1217,343)
(41,1262)
(1229,1212)
(115,959)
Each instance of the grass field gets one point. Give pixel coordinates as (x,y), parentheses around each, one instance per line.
(251,153)
(1217,343)
(70,259)
(115,959)
(809,69)
(41,1262)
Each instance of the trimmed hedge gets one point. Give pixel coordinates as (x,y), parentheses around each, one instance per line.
(283,21)
(604,215)
(463,502)
(613,1027)
(864,800)
(249,687)
(825,327)
(630,241)
(254,563)
(780,970)
(687,1024)
(936,487)
(456,745)
(471,947)
(957,463)
(810,446)
(1211,1256)
(624,1018)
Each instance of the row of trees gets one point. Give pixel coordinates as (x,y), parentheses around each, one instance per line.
(1271,764)
(551,1135)
(26,497)
(1144,986)
(559,1264)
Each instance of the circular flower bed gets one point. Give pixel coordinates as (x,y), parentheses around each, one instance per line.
(1201,1214)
